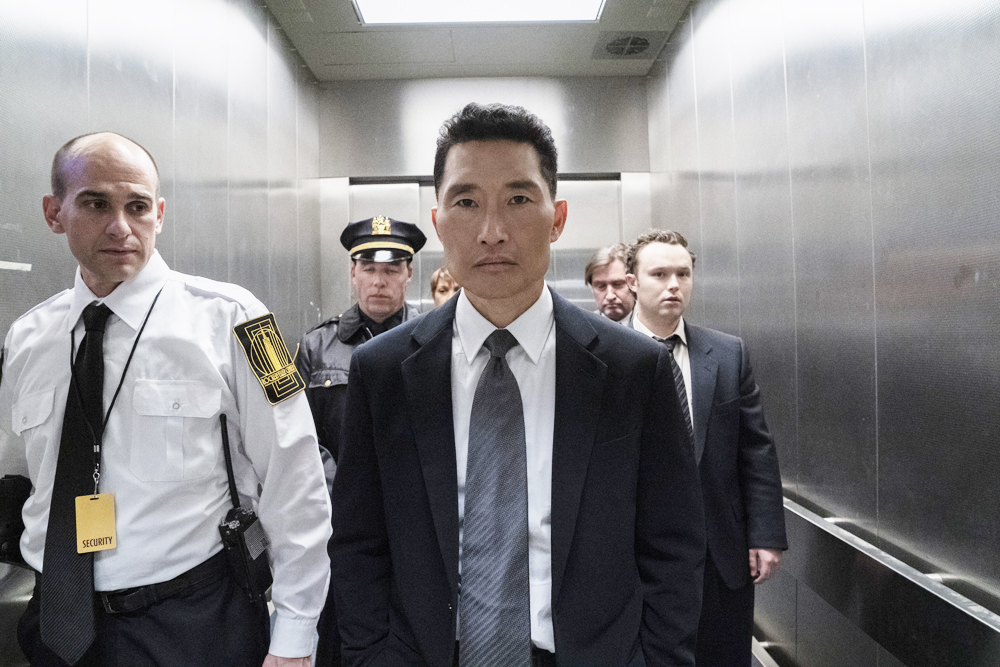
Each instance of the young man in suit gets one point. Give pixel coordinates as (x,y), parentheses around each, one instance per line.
(515,480)
(741,486)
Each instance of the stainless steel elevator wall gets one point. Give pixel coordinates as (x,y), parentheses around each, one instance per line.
(834,163)
(216,93)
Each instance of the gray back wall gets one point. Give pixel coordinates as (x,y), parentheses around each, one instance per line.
(214,91)
(834,163)
(389,128)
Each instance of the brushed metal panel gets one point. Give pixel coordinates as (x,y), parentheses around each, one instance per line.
(335,265)
(636,213)
(309,247)
(828,154)
(43,76)
(565,276)
(683,201)
(934,94)
(594,212)
(717,271)
(389,128)
(131,87)
(248,167)
(197,213)
(919,620)
(775,616)
(763,211)
(282,216)
(826,639)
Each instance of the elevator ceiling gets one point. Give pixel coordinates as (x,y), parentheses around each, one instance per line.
(336,46)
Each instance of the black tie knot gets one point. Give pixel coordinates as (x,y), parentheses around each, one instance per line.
(95,317)
(500,343)
(669,343)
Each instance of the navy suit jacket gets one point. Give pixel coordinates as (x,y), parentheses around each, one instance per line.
(628,540)
(737,462)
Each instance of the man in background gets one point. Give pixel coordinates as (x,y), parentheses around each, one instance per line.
(738,465)
(81,416)
(381,252)
(605,274)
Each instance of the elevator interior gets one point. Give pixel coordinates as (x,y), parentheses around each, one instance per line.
(834,163)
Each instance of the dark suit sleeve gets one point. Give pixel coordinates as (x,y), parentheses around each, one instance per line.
(359,548)
(760,479)
(670,529)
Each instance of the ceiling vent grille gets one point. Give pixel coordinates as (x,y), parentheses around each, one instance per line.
(629,45)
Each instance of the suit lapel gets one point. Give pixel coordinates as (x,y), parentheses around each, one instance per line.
(427,384)
(579,390)
(704,370)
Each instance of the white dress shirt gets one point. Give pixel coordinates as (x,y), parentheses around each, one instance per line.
(681,356)
(162,449)
(533,363)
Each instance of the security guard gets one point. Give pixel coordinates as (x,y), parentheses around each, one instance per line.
(111,404)
(381,251)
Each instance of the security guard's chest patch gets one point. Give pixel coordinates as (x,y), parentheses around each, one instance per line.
(268,358)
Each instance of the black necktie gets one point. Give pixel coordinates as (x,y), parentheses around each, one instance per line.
(682,395)
(495,605)
(67,605)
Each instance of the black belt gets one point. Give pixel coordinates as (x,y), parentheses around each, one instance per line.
(133,599)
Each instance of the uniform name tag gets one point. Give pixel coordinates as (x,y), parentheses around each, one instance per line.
(95,523)
(268,358)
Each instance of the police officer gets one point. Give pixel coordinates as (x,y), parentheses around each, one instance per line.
(381,251)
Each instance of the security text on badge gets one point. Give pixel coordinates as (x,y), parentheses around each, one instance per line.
(95,523)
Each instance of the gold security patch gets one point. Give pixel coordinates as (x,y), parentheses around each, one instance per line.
(268,358)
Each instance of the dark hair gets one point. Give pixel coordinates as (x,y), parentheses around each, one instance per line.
(655,236)
(58,180)
(497,122)
(604,256)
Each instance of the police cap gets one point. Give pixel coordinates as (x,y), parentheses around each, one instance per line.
(382,239)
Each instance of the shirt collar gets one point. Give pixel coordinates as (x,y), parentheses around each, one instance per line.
(531,328)
(129,301)
(643,329)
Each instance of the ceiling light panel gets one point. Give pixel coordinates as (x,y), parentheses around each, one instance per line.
(477,11)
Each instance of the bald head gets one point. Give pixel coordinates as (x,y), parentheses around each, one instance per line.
(67,160)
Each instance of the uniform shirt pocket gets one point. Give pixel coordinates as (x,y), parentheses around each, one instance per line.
(172,430)
(31,410)
(327,377)
(29,413)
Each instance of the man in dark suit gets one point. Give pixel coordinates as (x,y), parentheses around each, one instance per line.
(515,480)
(741,486)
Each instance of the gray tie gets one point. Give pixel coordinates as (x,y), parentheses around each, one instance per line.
(682,394)
(495,612)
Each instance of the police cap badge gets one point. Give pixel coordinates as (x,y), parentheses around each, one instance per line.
(382,239)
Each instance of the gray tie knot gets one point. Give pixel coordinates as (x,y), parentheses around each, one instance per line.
(500,343)
(95,317)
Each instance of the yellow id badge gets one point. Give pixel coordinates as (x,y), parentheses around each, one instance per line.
(95,523)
